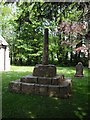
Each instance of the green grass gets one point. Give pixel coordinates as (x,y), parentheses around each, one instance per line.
(34,106)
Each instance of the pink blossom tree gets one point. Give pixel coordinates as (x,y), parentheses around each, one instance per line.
(73,28)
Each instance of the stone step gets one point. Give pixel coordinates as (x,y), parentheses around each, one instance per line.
(63,90)
(29,79)
(56,80)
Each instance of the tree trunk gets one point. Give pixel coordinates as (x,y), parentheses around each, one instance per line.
(71,55)
(66,56)
(11,61)
(89,59)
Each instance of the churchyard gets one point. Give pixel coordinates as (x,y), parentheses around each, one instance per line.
(49,59)
(16,105)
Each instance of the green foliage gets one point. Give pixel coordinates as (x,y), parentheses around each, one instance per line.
(23,23)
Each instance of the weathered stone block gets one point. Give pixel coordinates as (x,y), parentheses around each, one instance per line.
(37,89)
(69,80)
(28,88)
(69,88)
(53,90)
(61,79)
(29,79)
(64,84)
(65,89)
(44,70)
(43,89)
(44,80)
(55,80)
(63,92)
(15,86)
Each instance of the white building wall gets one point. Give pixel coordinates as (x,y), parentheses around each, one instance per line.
(4,59)
(1,59)
(7,60)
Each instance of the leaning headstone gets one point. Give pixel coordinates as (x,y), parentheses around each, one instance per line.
(79,70)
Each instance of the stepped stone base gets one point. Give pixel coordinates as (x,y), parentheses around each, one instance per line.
(31,84)
(56,80)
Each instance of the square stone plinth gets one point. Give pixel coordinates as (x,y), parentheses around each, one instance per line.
(29,79)
(44,80)
(15,86)
(53,90)
(28,88)
(44,70)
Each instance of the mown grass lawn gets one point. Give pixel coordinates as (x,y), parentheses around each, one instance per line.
(33,106)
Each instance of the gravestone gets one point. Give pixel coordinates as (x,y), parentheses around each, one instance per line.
(44,79)
(79,70)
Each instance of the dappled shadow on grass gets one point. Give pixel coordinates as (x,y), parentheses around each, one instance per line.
(35,106)
(80,96)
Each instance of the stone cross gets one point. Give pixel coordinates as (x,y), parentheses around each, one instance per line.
(45,48)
